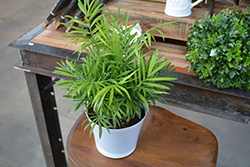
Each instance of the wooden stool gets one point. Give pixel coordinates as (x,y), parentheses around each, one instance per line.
(165,140)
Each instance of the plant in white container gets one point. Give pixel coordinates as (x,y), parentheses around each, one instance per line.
(115,82)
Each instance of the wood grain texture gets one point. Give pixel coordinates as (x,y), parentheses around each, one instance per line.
(244,3)
(150,14)
(227,2)
(165,140)
(54,38)
(174,51)
(164,2)
(218,7)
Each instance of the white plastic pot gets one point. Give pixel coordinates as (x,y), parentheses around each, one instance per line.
(119,143)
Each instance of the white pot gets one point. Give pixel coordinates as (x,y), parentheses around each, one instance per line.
(119,143)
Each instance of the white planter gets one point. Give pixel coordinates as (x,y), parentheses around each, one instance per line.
(119,143)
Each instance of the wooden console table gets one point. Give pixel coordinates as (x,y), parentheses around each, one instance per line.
(41,49)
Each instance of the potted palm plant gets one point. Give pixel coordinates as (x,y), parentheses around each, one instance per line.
(115,82)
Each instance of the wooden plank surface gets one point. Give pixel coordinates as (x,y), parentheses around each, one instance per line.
(164,2)
(54,38)
(218,7)
(175,52)
(227,2)
(165,140)
(244,3)
(150,14)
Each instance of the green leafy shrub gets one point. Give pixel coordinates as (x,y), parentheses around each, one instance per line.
(219,49)
(115,78)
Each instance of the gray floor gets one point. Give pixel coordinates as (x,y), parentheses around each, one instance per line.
(19,142)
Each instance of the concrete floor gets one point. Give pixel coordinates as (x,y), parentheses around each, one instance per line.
(19,141)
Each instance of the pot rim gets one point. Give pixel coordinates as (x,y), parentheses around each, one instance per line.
(126,128)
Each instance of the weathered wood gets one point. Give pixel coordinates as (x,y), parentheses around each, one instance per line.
(60,10)
(164,2)
(165,140)
(42,59)
(218,7)
(72,8)
(56,12)
(244,3)
(150,14)
(55,39)
(227,2)
(79,15)
(191,93)
(174,51)
(53,19)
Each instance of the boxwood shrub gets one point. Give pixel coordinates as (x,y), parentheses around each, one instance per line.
(219,49)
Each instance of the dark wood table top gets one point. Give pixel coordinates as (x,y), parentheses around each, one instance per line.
(165,140)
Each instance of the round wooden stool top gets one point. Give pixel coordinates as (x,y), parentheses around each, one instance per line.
(165,140)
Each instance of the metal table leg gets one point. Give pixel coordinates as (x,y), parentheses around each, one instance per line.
(45,111)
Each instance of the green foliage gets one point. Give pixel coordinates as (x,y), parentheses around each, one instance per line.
(219,49)
(115,79)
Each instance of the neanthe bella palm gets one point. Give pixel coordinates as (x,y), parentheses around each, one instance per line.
(115,80)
